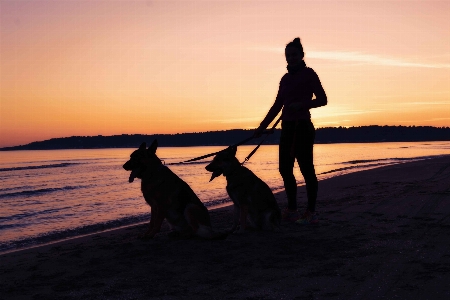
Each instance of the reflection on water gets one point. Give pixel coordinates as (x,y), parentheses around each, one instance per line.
(53,194)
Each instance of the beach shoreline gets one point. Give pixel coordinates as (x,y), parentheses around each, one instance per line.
(383,233)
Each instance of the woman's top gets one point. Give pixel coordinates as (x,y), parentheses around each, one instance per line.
(296,86)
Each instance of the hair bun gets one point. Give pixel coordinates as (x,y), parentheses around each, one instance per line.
(297,44)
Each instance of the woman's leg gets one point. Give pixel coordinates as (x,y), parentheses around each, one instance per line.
(305,135)
(286,163)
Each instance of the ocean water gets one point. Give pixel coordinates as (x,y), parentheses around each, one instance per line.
(50,195)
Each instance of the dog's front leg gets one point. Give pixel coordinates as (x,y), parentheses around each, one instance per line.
(151,224)
(236,213)
(152,219)
(156,221)
(243,218)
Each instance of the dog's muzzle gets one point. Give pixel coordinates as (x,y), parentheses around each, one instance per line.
(215,174)
(133,175)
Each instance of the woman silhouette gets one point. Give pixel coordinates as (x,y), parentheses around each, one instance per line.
(295,97)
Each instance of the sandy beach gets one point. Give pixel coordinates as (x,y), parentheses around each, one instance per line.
(383,234)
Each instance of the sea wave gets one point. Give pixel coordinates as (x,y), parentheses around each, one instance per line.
(363,161)
(31,193)
(372,163)
(185,163)
(59,235)
(31,214)
(353,167)
(2,190)
(61,165)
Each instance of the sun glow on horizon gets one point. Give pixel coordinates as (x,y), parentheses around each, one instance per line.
(89,68)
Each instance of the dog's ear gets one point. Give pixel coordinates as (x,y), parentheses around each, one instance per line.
(153,146)
(232,151)
(143,146)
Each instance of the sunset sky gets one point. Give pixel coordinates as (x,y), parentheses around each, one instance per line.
(113,67)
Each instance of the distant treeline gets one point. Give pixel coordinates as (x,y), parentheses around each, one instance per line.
(363,134)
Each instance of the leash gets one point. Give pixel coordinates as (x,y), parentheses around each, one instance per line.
(267,132)
(214,153)
(270,131)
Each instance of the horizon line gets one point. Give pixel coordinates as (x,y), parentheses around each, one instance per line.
(201,132)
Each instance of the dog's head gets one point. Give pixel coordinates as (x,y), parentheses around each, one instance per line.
(223,163)
(142,160)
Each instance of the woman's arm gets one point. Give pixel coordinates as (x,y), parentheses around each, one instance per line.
(319,92)
(273,112)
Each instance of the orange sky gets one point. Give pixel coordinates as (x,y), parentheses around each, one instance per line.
(112,67)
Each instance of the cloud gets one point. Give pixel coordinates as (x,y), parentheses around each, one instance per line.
(426,93)
(328,123)
(403,104)
(437,119)
(354,56)
(428,103)
(371,59)
(342,111)
(255,120)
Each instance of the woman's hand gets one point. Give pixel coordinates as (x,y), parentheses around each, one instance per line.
(258,132)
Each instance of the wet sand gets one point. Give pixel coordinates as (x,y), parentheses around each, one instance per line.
(383,234)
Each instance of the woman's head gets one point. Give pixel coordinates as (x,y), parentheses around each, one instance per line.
(294,52)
